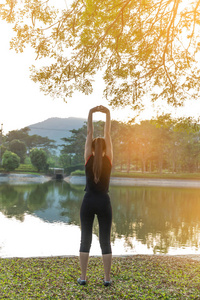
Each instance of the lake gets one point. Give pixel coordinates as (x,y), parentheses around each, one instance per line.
(43,220)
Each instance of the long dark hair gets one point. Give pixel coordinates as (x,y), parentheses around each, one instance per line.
(98,146)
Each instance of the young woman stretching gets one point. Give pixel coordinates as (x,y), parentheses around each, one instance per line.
(98,163)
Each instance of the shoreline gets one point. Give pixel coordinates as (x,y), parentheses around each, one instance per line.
(124,181)
(195,257)
(13,178)
(23,178)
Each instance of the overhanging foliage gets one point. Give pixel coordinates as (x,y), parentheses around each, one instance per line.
(146,47)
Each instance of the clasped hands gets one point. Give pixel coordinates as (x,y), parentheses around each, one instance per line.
(100,108)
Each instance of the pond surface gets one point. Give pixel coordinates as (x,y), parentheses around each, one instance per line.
(43,220)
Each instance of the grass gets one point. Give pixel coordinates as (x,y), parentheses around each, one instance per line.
(23,169)
(134,277)
(78,173)
(29,169)
(26,168)
(157,175)
(191,176)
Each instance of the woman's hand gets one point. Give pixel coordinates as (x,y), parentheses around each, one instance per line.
(94,109)
(103,109)
(100,108)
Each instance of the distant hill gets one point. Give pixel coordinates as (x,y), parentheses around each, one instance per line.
(56,128)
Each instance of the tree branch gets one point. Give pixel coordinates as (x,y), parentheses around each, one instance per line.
(194,23)
(106,32)
(174,10)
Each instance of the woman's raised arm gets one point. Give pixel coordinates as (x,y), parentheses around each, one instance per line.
(107,135)
(88,143)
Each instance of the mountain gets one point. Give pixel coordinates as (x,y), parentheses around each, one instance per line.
(56,128)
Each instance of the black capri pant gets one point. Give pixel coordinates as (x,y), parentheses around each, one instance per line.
(100,205)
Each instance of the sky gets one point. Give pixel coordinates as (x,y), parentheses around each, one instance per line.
(22,102)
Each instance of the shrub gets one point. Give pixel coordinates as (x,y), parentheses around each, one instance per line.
(18,148)
(78,173)
(26,168)
(39,159)
(70,169)
(10,161)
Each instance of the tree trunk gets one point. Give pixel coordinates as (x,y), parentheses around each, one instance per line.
(143,166)
(160,165)
(128,162)
(173,166)
(150,166)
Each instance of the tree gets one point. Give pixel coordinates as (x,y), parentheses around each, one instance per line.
(2,150)
(75,144)
(144,142)
(117,133)
(39,159)
(31,141)
(19,148)
(140,46)
(40,141)
(21,135)
(10,161)
(122,139)
(163,136)
(65,160)
(177,141)
(187,134)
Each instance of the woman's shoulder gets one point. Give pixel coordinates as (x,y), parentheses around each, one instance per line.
(88,159)
(108,159)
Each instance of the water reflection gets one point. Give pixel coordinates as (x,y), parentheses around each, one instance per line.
(161,218)
(145,219)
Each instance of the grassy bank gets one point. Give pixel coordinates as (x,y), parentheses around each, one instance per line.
(136,277)
(29,169)
(24,169)
(191,176)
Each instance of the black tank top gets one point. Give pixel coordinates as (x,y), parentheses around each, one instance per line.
(102,185)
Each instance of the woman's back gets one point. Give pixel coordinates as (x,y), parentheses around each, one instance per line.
(102,185)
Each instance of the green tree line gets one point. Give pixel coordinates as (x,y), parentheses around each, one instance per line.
(154,145)
(18,147)
(162,144)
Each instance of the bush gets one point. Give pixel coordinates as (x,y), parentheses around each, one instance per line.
(18,148)
(39,159)
(70,169)
(10,161)
(26,168)
(78,173)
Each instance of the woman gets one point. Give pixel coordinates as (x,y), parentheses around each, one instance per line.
(98,163)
